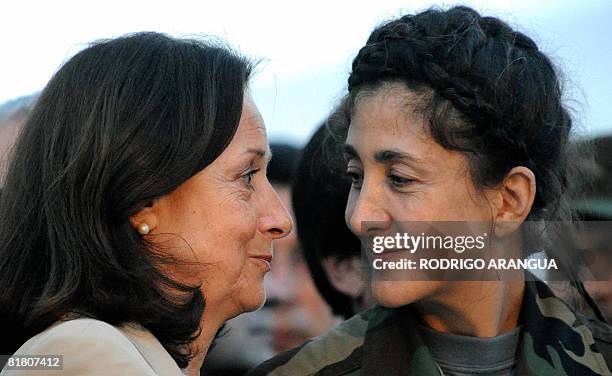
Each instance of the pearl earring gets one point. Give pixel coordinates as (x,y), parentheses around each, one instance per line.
(143,229)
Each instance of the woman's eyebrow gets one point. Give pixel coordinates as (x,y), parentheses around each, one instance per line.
(394,155)
(260,153)
(350,151)
(384,156)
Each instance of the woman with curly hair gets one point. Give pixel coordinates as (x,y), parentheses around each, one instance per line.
(453,116)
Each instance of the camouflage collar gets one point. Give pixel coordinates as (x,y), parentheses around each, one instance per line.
(554,341)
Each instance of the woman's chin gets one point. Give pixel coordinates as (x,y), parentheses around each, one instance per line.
(253,300)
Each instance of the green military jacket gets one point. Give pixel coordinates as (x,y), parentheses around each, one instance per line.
(383,341)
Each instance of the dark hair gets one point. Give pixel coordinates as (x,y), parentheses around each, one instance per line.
(489,93)
(320,191)
(123,122)
(283,163)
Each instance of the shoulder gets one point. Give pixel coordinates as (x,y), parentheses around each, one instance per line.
(71,334)
(601,330)
(88,347)
(602,336)
(341,344)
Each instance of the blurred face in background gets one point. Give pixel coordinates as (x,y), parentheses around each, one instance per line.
(299,312)
(597,278)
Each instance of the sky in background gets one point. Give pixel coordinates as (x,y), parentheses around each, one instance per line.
(306,46)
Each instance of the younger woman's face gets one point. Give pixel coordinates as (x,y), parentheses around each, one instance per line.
(401,174)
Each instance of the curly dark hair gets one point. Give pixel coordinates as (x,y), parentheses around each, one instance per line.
(489,93)
(123,122)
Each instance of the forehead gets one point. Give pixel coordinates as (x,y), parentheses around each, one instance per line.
(251,129)
(386,118)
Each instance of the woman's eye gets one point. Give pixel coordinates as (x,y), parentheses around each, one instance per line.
(249,177)
(356,179)
(399,181)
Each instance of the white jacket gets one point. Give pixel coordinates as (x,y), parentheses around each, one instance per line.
(93,347)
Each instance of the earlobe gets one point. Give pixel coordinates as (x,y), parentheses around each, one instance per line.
(517,194)
(144,221)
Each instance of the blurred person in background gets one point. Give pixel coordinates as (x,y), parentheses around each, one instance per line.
(13,115)
(294,310)
(300,313)
(593,205)
(332,252)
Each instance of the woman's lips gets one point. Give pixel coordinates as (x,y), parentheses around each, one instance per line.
(263,261)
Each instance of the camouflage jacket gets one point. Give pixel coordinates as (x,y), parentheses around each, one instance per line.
(382,341)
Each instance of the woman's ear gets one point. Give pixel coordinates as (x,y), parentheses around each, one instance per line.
(514,198)
(145,220)
(345,275)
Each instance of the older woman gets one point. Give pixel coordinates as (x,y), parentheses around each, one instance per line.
(455,117)
(136,217)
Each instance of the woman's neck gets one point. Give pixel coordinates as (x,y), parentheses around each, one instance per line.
(474,308)
(210,326)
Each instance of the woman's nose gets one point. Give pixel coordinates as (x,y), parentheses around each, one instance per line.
(367,213)
(277,221)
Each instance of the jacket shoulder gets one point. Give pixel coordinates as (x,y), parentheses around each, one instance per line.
(88,347)
(602,335)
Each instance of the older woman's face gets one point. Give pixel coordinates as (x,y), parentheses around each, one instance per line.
(224,219)
(401,174)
